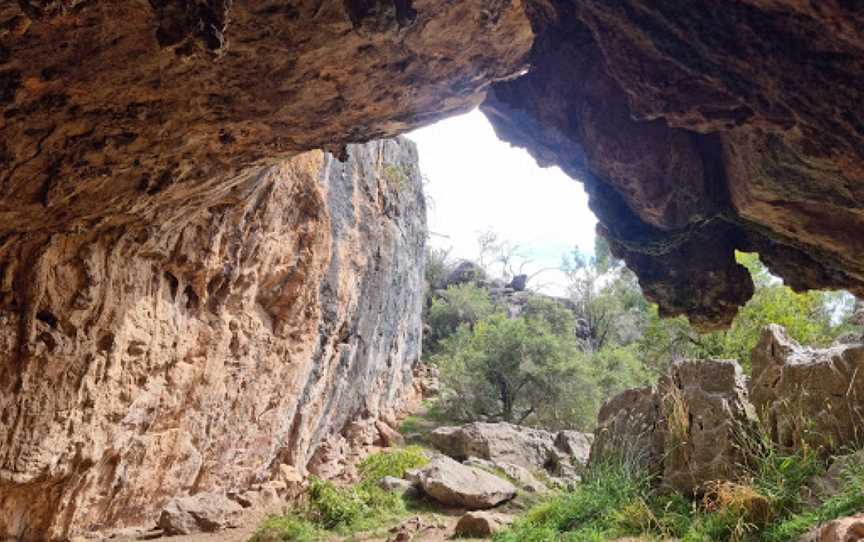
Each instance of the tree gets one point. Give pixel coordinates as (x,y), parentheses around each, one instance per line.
(808,318)
(459,304)
(438,266)
(602,290)
(505,369)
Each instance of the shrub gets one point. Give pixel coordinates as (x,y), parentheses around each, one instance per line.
(332,507)
(461,304)
(391,463)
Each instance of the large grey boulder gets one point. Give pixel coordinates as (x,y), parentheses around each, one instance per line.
(204,512)
(454,484)
(808,395)
(534,449)
(693,427)
(523,477)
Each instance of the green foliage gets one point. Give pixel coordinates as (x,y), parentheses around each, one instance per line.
(397,176)
(514,370)
(592,511)
(331,508)
(459,304)
(438,266)
(288,529)
(391,463)
(807,318)
(617,500)
(560,321)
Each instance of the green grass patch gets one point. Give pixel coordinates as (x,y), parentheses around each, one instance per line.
(616,500)
(391,463)
(330,509)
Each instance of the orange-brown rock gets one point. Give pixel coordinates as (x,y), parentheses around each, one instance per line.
(157,227)
(202,355)
(699,129)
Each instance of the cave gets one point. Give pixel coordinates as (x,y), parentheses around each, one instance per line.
(186,206)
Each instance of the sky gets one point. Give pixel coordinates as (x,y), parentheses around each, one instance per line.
(476,182)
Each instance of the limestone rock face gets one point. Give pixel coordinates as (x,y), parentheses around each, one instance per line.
(139,364)
(690,429)
(808,395)
(697,129)
(203,512)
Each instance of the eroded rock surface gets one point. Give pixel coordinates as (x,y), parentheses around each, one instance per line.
(700,129)
(527,447)
(454,484)
(141,364)
(697,129)
(690,429)
(807,394)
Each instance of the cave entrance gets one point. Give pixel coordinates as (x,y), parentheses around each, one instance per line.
(491,203)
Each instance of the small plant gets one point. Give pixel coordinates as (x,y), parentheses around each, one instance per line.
(391,463)
(397,176)
(333,507)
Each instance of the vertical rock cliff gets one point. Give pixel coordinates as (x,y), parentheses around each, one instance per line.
(147,361)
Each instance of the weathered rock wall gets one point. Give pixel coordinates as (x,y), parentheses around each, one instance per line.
(147,361)
(691,428)
(808,395)
(700,128)
(697,129)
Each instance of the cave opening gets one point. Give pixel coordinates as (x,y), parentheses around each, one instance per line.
(490,202)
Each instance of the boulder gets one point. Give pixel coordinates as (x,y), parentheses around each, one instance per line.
(398,485)
(575,444)
(520,475)
(691,429)
(467,272)
(829,484)
(453,484)
(481,524)
(204,512)
(388,436)
(848,529)
(501,442)
(518,283)
(808,395)
(630,427)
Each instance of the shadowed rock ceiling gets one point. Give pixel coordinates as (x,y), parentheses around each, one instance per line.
(698,127)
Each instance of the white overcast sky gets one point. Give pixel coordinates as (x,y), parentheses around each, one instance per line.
(478,182)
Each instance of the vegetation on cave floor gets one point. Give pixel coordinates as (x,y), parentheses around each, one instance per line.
(364,512)
(327,511)
(617,499)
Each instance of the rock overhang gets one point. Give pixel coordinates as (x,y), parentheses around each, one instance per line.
(696,131)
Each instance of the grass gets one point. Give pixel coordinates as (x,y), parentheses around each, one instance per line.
(617,500)
(329,509)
